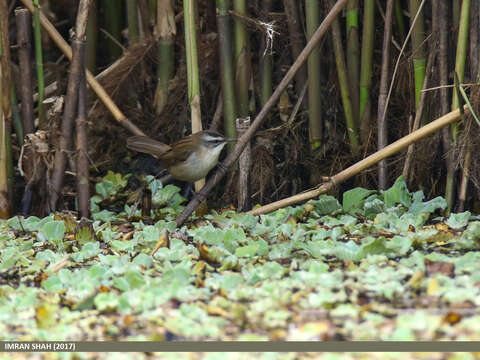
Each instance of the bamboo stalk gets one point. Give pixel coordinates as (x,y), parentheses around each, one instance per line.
(112,22)
(418,115)
(242,141)
(353,58)
(462,194)
(17,120)
(147,15)
(462,46)
(344,86)
(474,40)
(266,61)
(94,84)
(92,38)
(441,7)
(24,26)
(70,109)
(456,13)
(399,20)
(366,68)
(297,41)
(312,12)
(363,164)
(460,60)
(165,31)
(83,192)
(383,93)
(132,19)
(226,69)
(5,115)
(242,60)
(37,34)
(418,47)
(4,200)
(192,71)
(244,165)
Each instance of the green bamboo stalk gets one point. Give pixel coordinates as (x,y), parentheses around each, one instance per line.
(462,48)
(399,20)
(92,38)
(353,57)
(192,70)
(165,31)
(242,60)
(265,62)
(226,69)
(39,63)
(312,12)
(193,76)
(132,18)
(113,26)
(460,60)
(366,67)
(344,86)
(418,48)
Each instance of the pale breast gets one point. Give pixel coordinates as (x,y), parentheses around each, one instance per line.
(197,165)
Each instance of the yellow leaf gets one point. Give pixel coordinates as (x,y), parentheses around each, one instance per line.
(433,287)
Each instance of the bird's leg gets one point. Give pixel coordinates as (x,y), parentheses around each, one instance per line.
(188,191)
(222,166)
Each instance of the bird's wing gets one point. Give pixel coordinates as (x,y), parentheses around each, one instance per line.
(176,153)
(147,145)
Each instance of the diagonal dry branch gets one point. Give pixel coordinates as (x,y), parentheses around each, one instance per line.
(363,164)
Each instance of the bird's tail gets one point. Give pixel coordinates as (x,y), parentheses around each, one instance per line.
(146,145)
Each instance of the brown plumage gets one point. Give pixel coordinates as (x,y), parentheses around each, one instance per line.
(189,159)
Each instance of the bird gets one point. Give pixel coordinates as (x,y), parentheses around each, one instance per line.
(190,158)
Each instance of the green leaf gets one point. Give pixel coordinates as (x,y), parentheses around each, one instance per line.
(88,251)
(246,251)
(169,195)
(419,207)
(143,260)
(110,184)
(53,230)
(53,283)
(354,199)
(106,301)
(121,245)
(231,281)
(458,221)
(397,194)
(9,258)
(104,215)
(326,204)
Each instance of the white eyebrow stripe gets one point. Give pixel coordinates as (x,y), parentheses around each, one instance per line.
(214,138)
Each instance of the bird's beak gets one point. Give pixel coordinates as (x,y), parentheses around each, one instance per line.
(230,139)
